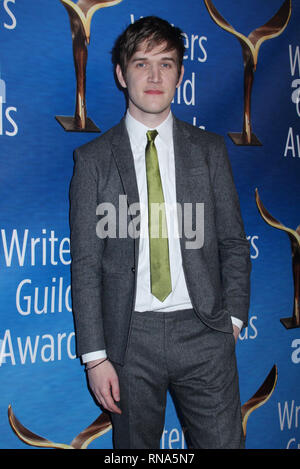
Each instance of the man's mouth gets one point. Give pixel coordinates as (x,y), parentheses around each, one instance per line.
(153,92)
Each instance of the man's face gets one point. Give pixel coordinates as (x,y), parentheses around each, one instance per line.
(151,80)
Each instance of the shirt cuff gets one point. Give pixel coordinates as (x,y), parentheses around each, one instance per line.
(88,357)
(237,322)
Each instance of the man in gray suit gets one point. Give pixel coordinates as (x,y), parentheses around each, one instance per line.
(158,304)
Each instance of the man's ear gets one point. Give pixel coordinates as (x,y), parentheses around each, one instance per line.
(120,77)
(180,76)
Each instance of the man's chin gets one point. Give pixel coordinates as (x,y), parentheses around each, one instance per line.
(155,109)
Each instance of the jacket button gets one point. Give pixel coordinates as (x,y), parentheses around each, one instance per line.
(133,269)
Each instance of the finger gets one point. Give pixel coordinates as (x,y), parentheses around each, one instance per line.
(115,389)
(99,398)
(109,403)
(111,406)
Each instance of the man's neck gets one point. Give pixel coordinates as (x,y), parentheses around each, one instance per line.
(149,120)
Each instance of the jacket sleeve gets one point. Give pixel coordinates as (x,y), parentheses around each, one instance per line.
(86,254)
(234,250)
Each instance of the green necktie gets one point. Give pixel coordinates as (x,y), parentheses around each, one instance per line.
(160,274)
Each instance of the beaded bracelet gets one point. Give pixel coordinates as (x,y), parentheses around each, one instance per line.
(97,364)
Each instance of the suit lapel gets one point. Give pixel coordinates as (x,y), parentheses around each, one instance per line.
(191,181)
(182,151)
(124,160)
(190,166)
(123,156)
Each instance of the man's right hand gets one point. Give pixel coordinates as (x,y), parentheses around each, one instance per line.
(104,383)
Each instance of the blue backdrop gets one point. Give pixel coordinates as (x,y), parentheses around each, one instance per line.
(39,375)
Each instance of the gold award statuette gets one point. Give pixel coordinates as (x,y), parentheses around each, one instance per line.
(294,235)
(250,47)
(261,396)
(103,424)
(80,15)
(100,426)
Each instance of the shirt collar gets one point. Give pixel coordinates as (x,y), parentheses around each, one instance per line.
(137,130)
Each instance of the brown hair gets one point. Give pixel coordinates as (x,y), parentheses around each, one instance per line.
(154,31)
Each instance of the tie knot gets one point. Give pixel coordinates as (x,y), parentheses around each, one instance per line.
(151,135)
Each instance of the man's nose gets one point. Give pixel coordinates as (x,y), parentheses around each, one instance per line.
(155,73)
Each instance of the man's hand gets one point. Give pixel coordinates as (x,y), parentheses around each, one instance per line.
(104,383)
(236,331)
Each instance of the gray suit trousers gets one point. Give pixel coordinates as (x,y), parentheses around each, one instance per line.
(175,351)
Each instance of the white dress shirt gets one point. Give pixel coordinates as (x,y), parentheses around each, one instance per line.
(179,298)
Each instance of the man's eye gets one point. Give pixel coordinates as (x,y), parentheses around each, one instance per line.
(140,65)
(166,65)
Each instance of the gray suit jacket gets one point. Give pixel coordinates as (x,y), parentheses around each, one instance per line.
(104,270)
